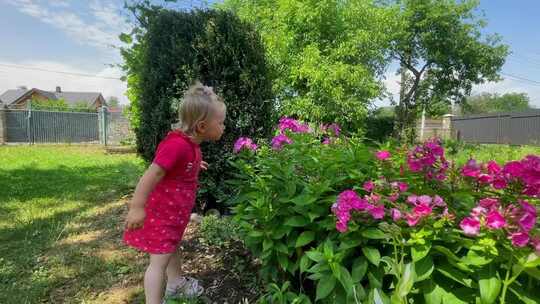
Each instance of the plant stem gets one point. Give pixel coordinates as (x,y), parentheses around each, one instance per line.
(507,281)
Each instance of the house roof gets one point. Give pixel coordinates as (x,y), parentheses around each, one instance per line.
(71,98)
(10,96)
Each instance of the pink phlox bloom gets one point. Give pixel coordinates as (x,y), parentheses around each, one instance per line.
(470,226)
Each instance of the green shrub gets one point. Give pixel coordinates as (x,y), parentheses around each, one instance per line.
(334,224)
(172,49)
(218,231)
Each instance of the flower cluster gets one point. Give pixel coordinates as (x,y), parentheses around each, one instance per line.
(349,201)
(429,159)
(518,220)
(286,123)
(244,143)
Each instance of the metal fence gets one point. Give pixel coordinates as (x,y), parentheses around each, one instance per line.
(501,128)
(29,126)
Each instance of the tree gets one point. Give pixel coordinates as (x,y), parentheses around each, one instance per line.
(493,103)
(442,54)
(113,101)
(327,56)
(168,50)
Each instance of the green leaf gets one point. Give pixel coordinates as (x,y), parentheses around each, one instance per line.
(297,221)
(267,244)
(532,260)
(325,287)
(377,296)
(304,199)
(524,295)
(476,258)
(375,279)
(315,256)
(304,263)
(346,280)
(433,293)
(125,38)
(374,234)
(359,269)
(489,284)
(305,238)
(454,274)
(283,261)
(406,281)
(372,254)
(423,268)
(418,251)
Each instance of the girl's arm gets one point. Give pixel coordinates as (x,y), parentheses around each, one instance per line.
(147,183)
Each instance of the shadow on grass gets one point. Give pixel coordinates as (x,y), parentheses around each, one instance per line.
(72,183)
(39,209)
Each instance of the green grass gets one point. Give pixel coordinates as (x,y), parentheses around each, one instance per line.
(57,204)
(484,153)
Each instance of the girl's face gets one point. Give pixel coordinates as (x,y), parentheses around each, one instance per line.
(212,128)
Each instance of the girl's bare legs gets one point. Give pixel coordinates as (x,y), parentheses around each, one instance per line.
(173,270)
(154,277)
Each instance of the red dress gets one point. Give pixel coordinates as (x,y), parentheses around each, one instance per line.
(169,206)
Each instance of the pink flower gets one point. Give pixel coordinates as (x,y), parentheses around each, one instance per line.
(470,226)
(411,199)
(495,220)
(327,141)
(424,199)
(369,186)
(422,210)
(377,212)
(412,219)
(393,197)
(382,155)
(334,127)
(528,217)
(279,141)
(244,142)
(471,169)
(484,178)
(403,186)
(488,203)
(286,123)
(438,201)
(499,183)
(396,214)
(514,169)
(536,244)
(478,211)
(493,167)
(520,239)
(341,227)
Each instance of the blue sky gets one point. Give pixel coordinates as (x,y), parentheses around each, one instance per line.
(76,37)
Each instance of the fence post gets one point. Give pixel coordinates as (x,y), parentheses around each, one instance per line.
(3,125)
(447,126)
(102,122)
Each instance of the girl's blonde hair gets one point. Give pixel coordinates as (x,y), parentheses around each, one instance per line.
(198,104)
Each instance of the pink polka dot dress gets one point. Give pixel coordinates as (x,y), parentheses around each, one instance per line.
(169,206)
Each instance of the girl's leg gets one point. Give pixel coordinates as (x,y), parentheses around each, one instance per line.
(173,268)
(154,277)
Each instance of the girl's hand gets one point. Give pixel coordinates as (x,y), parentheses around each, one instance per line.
(135,218)
(204,165)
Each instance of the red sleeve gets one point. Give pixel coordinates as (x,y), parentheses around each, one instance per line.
(170,152)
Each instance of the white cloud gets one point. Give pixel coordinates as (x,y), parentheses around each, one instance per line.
(101,31)
(10,78)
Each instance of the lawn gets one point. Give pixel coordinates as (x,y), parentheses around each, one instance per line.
(56,205)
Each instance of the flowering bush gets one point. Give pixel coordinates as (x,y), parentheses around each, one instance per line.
(340,223)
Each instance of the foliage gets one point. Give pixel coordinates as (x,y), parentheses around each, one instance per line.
(327,56)
(345,225)
(60,105)
(380,124)
(171,49)
(493,103)
(218,231)
(442,54)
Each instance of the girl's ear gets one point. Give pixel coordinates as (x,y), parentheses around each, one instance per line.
(201,126)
